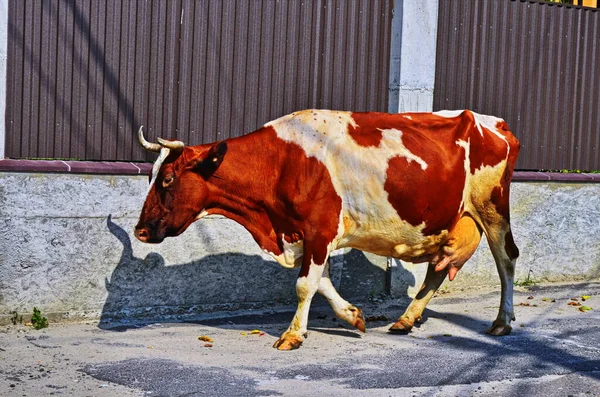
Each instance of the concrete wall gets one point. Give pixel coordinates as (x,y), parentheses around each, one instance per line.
(66,247)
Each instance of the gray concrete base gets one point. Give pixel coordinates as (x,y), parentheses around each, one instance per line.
(415,100)
(66,247)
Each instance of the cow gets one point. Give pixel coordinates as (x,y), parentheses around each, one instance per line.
(420,187)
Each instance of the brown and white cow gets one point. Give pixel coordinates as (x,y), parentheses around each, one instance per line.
(421,187)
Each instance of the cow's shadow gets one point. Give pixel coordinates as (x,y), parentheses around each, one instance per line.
(142,290)
(207,291)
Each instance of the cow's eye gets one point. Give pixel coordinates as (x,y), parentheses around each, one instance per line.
(168,181)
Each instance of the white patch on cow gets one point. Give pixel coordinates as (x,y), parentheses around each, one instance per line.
(449,114)
(342,308)
(480,184)
(467,188)
(279,259)
(392,135)
(481,120)
(490,123)
(292,254)
(358,173)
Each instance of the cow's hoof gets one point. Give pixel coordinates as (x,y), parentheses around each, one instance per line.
(359,319)
(499,329)
(288,342)
(402,326)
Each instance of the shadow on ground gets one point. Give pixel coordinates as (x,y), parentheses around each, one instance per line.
(452,360)
(553,345)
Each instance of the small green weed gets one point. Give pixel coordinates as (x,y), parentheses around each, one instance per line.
(528,282)
(37,320)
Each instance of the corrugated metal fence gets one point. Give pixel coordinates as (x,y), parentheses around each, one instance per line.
(534,64)
(83,74)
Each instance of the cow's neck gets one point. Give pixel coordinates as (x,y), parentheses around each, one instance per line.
(239,190)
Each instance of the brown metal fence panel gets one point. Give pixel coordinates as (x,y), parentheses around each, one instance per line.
(535,64)
(84,74)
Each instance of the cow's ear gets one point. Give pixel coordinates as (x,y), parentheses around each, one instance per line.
(212,160)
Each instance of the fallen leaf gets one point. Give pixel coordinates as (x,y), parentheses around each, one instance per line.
(243,333)
(208,345)
(522,325)
(205,338)
(261,334)
(524,304)
(585,297)
(255,331)
(530,297)
(575,299)
(584,308)
(150,347)
(574,304)
(447,334)
(548,300)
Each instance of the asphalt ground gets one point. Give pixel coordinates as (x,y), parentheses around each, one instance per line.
(554,350)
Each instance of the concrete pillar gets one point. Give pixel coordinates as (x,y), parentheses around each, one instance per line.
(412,68)
(412,78)
(3,58)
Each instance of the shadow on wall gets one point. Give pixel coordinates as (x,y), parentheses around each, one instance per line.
(147,290)
(361,279)
(144,288)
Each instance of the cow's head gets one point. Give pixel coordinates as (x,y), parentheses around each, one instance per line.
(178,192)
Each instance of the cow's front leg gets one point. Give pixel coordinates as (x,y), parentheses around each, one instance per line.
(342,308)
(414,311)
(306,287)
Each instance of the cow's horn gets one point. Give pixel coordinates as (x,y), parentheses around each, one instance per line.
(174,145)
(152,147)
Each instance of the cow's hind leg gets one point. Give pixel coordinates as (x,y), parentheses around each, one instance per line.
(505,254)
(495,218)
(462,243)
(342,308)
(414,311)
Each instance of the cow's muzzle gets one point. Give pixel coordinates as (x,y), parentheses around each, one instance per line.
(145,236)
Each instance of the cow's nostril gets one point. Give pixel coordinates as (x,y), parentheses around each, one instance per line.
(142,234)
